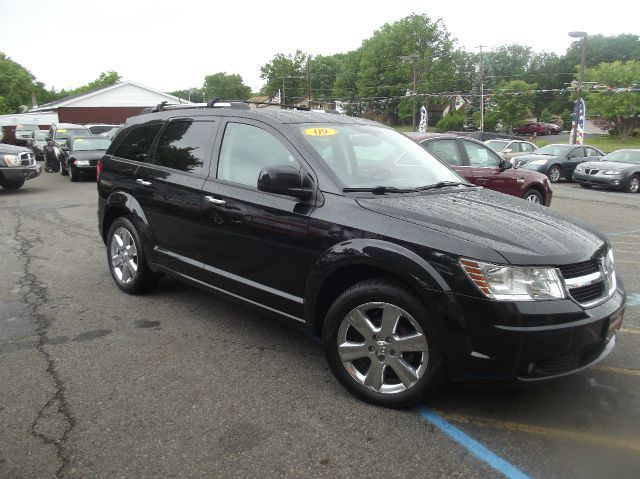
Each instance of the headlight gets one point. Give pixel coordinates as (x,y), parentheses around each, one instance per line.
(611,172)
(11,160)
(514,283)
(580,167)
(538,162)
(81,162)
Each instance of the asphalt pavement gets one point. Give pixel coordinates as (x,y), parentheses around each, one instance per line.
(179,383)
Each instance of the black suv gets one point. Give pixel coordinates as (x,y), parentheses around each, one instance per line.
(17,165)
(406,271)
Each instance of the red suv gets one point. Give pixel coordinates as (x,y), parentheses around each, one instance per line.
(482,166)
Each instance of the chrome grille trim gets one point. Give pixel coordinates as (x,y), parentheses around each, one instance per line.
(606,279)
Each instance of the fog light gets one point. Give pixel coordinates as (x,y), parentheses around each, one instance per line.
(616,182)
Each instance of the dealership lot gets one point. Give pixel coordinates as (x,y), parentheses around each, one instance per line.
(96,383)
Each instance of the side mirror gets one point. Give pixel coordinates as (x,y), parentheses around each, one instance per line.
(283,180)
(508,150)
(505,164)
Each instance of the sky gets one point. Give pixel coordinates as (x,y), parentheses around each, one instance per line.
(171,46)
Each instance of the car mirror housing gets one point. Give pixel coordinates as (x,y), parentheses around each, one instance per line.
(283,180)
(505,164)
(507,150)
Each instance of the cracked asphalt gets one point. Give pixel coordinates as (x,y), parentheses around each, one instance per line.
(179,383)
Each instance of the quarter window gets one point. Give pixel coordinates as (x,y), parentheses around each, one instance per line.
(183,145)
(246,150)
(480,156)
(136,144)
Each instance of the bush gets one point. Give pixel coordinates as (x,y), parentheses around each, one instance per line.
(452,122)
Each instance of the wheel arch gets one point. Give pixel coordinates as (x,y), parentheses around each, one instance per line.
(351,262)
(539,189)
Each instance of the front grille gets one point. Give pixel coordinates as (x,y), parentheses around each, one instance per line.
(586,294)
(579,269)
(26,159)
(555,365)
(590,171)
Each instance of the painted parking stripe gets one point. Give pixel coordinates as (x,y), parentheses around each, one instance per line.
(624,233)
(595,439)
(611,369)
(630,331)
(473,446)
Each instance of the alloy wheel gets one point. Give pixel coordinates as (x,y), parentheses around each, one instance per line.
(124,256)
(634,184)
(383,347)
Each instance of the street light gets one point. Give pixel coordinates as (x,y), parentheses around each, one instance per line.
(583,36)
(414,59)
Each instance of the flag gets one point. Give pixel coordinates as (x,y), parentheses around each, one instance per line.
(423,119)
(577,122)
(276,99)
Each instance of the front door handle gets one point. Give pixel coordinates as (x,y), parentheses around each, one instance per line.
(215,201)
(143,182)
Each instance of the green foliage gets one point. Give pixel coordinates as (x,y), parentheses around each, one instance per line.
(286,72)
(453,121)
(491,119)
(222,85)
(105,79)
(16,86)
(620,108)
(513,102)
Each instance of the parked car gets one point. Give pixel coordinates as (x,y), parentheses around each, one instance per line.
(24,133)
(558,160)
(552,128)
(112,132)
(619,170)
(37,143)
(17,165)
(98,129)
(509,149)
(405,270)
(480,165)
(530,129)
(80,155)
(58,134)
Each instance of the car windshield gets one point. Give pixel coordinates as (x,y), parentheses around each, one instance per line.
(497,145)
(86,144)
(624,156)
(27,127)
(554,150)
(63,134)
(369,156)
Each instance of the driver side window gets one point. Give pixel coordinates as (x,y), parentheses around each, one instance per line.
(480,156)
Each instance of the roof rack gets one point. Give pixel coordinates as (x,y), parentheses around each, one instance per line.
(219,103)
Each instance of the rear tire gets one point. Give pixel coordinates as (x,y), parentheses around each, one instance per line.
(585,185)
(63,170)
(74,175)
(127,258)
(381,344)
(533,196)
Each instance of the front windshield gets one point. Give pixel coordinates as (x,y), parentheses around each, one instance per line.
(497,145)
(86,144)
(64,134)
(554,150)
(624,156)
(369,156)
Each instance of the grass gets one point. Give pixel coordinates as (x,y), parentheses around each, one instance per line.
(607,143)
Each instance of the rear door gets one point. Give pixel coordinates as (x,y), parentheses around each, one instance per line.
(256,242)
(169,190)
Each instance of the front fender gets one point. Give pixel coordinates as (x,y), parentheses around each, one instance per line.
(391,258)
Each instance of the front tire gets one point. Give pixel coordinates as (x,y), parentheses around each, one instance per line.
(127,258)
(533,196)
(554,174)
(634,184)
(381,344)
(11,185)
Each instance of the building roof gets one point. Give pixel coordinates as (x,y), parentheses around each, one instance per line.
(125,94)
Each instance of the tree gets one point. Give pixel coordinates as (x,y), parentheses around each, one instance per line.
(324,72)
(621,108)
(286,72)
(222,85)
(17,85)
(514,101)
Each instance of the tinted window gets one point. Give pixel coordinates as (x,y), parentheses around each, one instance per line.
(445,150)
(528,147)
(577,153)
(480,155)
(135,145)
(183,145)
(516,147)
(592,152)
(248,149)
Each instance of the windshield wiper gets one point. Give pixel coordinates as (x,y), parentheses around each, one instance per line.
(442,184)
(378,190)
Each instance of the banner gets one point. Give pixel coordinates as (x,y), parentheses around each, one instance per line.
(577,123)
(276,99)
(423,119)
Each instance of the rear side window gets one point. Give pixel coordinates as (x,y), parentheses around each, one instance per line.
(445,150)
(184,145)
(135,145)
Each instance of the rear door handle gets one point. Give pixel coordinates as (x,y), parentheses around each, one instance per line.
(215,201)
(143,182)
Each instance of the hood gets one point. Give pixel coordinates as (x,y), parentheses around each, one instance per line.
(13,150)
(87,155)
(609,165)
(527,158)
(522,232)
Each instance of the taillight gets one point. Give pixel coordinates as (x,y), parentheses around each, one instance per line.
(99,170)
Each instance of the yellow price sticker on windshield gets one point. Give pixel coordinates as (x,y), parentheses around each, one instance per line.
(60,131)
(319,132)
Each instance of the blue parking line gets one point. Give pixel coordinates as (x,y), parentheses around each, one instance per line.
(624,233)
(473,446)
(633,300)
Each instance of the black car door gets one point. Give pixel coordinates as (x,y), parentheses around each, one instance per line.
(574,158)
(169,190)
(256,241)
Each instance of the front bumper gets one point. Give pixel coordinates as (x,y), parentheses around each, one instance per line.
(20,172)
(598,179)
(529,341)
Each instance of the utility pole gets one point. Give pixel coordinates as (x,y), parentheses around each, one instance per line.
(413,58)
(583,36)
(309,80)
(282,100)
(481,87)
